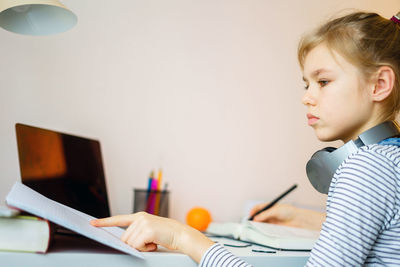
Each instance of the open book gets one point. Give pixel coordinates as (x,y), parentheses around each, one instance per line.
(267,234)
(26,199)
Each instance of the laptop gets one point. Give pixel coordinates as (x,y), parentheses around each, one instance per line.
(63,167)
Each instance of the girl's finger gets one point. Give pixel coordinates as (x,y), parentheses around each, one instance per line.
(142,239)
(257,208)
(129,231)
(267,215)
(119,220)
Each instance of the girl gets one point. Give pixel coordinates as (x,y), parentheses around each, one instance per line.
(351,68)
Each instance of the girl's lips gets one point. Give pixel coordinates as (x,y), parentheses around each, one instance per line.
(312,119)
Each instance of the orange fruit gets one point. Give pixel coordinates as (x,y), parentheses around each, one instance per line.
(198,218)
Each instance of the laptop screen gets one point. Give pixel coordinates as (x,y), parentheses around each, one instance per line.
(64,168)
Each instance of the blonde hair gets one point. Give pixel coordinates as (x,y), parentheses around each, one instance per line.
(366,40)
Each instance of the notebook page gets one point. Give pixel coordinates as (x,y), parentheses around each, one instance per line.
(280,231)
(116,231)
(26,199)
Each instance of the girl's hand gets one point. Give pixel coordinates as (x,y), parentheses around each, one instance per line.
(289,215)
(146,231)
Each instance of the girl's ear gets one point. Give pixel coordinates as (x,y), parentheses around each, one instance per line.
(383,84)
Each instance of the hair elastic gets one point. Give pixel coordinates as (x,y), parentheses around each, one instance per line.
(396,19)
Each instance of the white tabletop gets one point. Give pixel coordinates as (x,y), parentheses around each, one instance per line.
(68,251)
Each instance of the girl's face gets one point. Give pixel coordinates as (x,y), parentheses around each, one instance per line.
(338,103)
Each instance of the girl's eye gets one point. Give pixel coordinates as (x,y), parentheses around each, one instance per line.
(322,83)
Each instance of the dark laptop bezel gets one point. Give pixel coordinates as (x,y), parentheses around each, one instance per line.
(85,200)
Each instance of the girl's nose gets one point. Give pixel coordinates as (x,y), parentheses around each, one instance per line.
(308,98)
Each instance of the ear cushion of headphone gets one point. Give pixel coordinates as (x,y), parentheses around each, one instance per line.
(317,168)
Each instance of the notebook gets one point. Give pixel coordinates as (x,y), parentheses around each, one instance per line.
(63,167)
(26,199)
(266,234)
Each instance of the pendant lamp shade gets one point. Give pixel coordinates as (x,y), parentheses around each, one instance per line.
(35,17)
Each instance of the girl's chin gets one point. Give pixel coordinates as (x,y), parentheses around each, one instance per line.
(325,137)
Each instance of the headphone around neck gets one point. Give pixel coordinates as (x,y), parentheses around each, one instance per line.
(323,163)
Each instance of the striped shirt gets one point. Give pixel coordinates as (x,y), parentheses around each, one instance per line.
(218,256)
(362,225)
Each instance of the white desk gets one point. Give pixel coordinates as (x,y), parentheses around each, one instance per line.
(73,252)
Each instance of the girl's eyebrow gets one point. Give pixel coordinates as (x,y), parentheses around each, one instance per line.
(317,72)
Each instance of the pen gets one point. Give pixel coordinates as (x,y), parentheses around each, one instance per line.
(153,194)
(273,202)
(159,179)
(149,188)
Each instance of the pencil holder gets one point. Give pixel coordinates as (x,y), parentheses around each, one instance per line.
(151,201)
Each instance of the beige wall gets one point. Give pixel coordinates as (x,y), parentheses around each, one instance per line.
(209,90)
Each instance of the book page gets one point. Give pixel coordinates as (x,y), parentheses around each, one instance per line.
(24,198)
(280,231)
(225,229)
(115,231)
(271,235)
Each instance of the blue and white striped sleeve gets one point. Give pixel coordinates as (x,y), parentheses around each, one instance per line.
(361,202)
(218,256)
